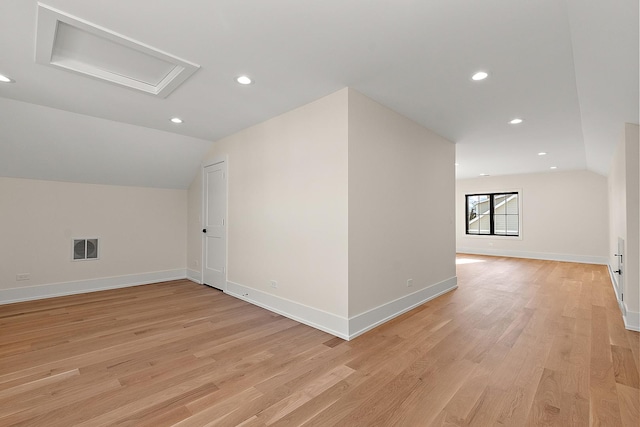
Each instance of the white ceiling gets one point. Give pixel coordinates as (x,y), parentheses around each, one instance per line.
(568,67)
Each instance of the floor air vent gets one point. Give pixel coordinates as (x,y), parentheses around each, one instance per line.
(85,249)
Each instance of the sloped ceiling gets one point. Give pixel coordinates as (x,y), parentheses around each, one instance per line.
(568,67)
(46,143)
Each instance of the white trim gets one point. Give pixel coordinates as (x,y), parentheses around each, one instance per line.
(194,276)
(368,320)
(48,20)
(548,256)
(333,324)
(496,236)
(319,319)
(50,290)
(631,319)
(614,283)
(210,162)
(493,236)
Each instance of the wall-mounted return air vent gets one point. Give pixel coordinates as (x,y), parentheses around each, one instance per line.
(73,44)
(84,249)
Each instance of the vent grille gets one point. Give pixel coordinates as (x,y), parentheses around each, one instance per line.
(85,249)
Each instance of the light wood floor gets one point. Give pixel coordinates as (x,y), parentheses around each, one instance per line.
(520,342)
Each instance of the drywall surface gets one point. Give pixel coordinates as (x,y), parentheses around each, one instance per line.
(401,207)
(142,231)
(82,148)
(564,216)
(287,207)
(340,202)
(624,205)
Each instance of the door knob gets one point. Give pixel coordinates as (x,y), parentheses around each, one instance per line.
(204,230)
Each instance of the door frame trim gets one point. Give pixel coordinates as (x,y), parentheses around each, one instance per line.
(210,162)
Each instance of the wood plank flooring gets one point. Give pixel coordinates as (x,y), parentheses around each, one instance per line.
(519,343)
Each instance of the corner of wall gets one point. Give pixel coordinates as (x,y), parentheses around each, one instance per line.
(333,324)
(194,226)
(319,319)
(195,276)
(370,319)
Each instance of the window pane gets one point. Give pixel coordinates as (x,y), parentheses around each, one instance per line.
(474,228)
(485,224)
(500,224)
(504,219)
(512,204)
(483,204)
(472,201)
(473,219)
(512,225)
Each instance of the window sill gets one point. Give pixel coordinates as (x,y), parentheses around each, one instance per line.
(495,237)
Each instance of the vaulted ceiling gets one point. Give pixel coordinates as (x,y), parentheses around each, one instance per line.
(569,68)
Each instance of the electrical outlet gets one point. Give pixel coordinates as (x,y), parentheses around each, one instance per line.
(409,283)
(273,283)
(196,263)
(23,276)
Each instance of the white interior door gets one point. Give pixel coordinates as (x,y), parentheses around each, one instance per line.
(214,247)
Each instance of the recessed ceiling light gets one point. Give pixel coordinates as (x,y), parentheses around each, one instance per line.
(480,75)
(553,167)
(244,80)
(516,121)
(542,153)
(484,174)
(176,120)
(5,79)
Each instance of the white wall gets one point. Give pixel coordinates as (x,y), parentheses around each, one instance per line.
(564,216)
(624,205)
(401,207)
(287,211)
(617,186)
(335,201)
(194,228)
(46,143)
(142,235)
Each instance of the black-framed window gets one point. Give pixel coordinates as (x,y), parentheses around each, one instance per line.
(493,214)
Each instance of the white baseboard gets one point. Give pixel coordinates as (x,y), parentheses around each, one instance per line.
(333,324)
(327,322)
(194,276)
(368,320)
(616,290)
(29,293)
(548,256)
(631,319)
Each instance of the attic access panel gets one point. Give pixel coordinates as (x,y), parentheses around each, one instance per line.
(76,45)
